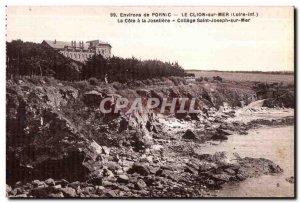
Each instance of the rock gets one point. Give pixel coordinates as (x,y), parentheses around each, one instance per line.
(68,192)
(62,182)
(106,184)
(37,183)
(95,181)
(140,184)
(241,177)
(18,184)
(50,182)
(221,177)
(229,171)
(206,166)
(190,170)
(140,169)
(105,150)
(123,188)
(123,179)
(39,192)
(17,191)
(224,131)
(110,193)
(224,159)
(74,185)
(87,190)
(153,170)
(219,137)
(123,124)
(8,190)
(57,186)
(21,196)
(99,188)
(56,195)
(273,168)
(113,166)
(290,179)
(189,135)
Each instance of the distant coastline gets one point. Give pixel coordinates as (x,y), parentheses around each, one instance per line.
(258,72)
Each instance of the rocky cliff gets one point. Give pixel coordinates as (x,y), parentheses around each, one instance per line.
(55,132)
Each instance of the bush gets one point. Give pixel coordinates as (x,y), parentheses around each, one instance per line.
(93,81)
(218,78)
(190,75)
(199,79)
(205,79)
(129,69)
(32,59)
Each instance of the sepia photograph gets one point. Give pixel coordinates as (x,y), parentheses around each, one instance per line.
(150,102)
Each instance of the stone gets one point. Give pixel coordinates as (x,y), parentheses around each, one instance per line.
(123,179)
(190,170)
(113,166)
(39,192)
(18,184)
(224,131)
(68,192)
(88,190)
(56,195)
(140,169)
(290,179)
(221,177)
(74,184)
(105,150)
(50,182)
(241,177)
(229,171)
(62,182)
(8,189)
(140,184)
(37,183)
(95,181)
(218,136)
(21,196)
(189,135)
(110,193)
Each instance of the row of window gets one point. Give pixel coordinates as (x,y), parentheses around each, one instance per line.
(77,55)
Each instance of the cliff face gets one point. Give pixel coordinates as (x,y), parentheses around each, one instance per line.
(54,130)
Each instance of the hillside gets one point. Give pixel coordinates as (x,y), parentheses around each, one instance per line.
(59,144)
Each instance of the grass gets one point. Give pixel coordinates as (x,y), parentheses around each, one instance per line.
(247,76)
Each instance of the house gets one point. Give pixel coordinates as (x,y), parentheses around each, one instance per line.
(80,51)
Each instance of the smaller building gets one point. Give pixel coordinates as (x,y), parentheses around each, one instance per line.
(80,51)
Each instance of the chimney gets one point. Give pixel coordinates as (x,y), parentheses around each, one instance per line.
(54,41)
(75,43)
(72,43)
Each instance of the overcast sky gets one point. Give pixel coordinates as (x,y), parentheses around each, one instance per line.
(265,44)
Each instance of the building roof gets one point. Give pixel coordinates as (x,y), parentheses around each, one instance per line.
(62,44)
(97,42)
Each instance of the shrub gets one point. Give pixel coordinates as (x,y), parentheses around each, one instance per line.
(218,78)
(199,79)
(93,81)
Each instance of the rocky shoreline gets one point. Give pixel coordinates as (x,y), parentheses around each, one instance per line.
(58,146)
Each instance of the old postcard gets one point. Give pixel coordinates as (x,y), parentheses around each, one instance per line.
(150,102)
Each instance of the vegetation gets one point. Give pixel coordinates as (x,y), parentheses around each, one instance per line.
(246,76)
(124,70)
(31,59)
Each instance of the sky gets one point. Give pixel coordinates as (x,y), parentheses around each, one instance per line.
(264,44)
